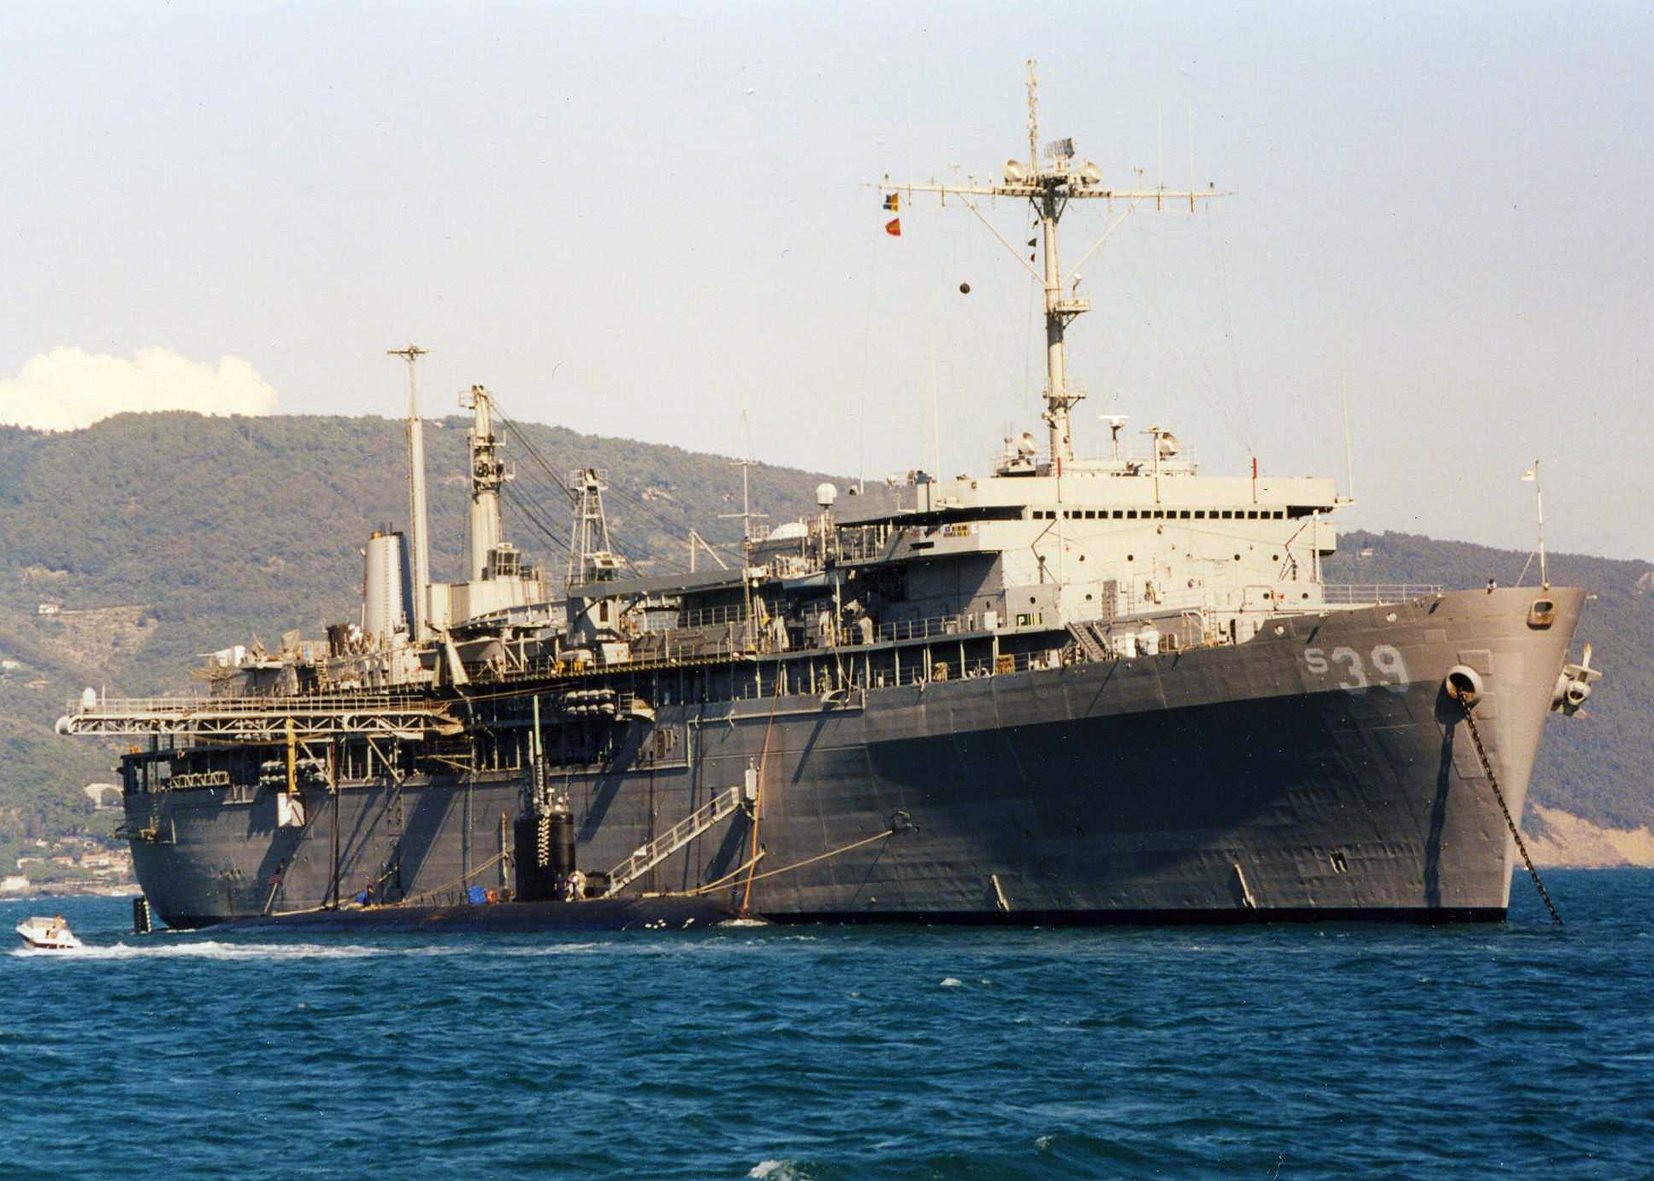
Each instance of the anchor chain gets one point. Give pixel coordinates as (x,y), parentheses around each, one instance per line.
(1493,782)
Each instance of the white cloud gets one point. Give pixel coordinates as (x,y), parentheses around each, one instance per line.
(67,389)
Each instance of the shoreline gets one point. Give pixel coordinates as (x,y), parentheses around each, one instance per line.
(35,890)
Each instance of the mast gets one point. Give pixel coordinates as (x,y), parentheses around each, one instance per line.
(747,516)
(419,615)
(1048,182)
(590,558)
(1539,502)
(487,474)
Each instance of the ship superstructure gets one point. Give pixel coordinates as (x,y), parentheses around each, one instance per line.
(1076,688)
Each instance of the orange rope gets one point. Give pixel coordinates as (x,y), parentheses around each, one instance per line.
(758,802)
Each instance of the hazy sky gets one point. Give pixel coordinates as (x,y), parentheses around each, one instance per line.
(633,219)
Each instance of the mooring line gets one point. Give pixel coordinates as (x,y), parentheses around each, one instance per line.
(758,877)
(758,796)
(1493,782)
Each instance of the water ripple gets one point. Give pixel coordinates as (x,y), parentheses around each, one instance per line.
(1294,1052)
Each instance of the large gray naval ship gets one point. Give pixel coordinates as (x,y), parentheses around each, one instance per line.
(1073,689)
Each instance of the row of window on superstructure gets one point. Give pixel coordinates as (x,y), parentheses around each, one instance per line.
(1159,514)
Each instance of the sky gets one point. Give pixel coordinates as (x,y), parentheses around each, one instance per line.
(663,222)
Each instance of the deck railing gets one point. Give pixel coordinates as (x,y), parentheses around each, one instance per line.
(862,543)
(921,629)
(352,701)
(1356,594)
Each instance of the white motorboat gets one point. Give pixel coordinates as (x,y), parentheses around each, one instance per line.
(48,934)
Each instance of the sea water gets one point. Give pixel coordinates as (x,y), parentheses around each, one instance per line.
(1302,1051)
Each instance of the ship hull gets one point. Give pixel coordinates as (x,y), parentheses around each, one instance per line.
(1317,771)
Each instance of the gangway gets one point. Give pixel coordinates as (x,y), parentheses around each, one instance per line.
(673,839)
(1087,640)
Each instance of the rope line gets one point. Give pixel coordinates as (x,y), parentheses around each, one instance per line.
(711,886)
(878,836)
(723,881)
(281,914)
(758,798)
(411,899)
(698,891)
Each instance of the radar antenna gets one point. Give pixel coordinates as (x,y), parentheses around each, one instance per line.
(1049,184)
(1116,423)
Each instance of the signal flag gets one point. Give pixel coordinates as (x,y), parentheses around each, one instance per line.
(893,227)
(893,202)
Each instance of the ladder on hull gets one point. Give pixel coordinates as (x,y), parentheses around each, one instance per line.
(1087,640)
(673,839)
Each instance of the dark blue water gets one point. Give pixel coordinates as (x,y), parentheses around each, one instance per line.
(1290,1052)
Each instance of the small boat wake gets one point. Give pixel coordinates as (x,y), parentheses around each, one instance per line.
(150,948)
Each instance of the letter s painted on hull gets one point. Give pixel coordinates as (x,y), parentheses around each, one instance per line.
(1390,669)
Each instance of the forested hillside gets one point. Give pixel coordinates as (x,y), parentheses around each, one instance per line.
(159,537)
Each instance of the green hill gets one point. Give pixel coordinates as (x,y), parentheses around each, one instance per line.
(161,536)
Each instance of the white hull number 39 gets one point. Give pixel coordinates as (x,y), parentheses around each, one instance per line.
(1388,669)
